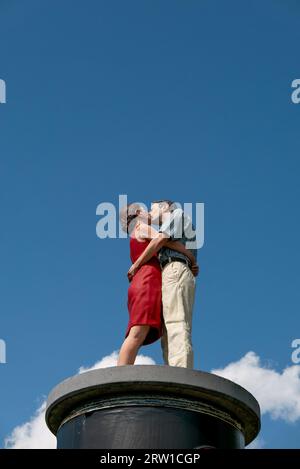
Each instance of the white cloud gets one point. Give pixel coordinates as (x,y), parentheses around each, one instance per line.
(34,434)
(111,360)
(278,393)
(258,443)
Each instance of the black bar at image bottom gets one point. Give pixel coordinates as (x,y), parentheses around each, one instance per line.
(206,457)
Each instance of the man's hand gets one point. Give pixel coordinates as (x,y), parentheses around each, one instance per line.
(195,269)
(132,271)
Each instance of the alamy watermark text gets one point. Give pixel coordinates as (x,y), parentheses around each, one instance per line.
(2,92)
(2,351)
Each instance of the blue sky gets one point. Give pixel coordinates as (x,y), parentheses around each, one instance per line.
(189,101)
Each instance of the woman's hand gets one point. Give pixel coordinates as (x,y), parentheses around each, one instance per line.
(132,271)
(195,269)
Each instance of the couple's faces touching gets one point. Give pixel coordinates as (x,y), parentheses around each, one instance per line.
(155,214)
(157,210)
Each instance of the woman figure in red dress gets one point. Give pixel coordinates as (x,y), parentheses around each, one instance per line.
(144,293)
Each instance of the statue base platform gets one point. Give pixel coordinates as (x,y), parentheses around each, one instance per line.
(151,407)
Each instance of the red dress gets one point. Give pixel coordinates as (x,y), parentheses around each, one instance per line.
(144,294)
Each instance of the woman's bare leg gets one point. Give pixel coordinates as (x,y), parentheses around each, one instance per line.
(131,345)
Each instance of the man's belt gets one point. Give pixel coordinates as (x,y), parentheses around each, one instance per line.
(175,259)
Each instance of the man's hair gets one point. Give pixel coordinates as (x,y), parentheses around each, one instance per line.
(170,203)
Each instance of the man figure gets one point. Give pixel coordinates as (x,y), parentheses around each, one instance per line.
(178,281)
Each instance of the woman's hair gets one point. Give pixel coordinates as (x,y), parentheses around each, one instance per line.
(127,214)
